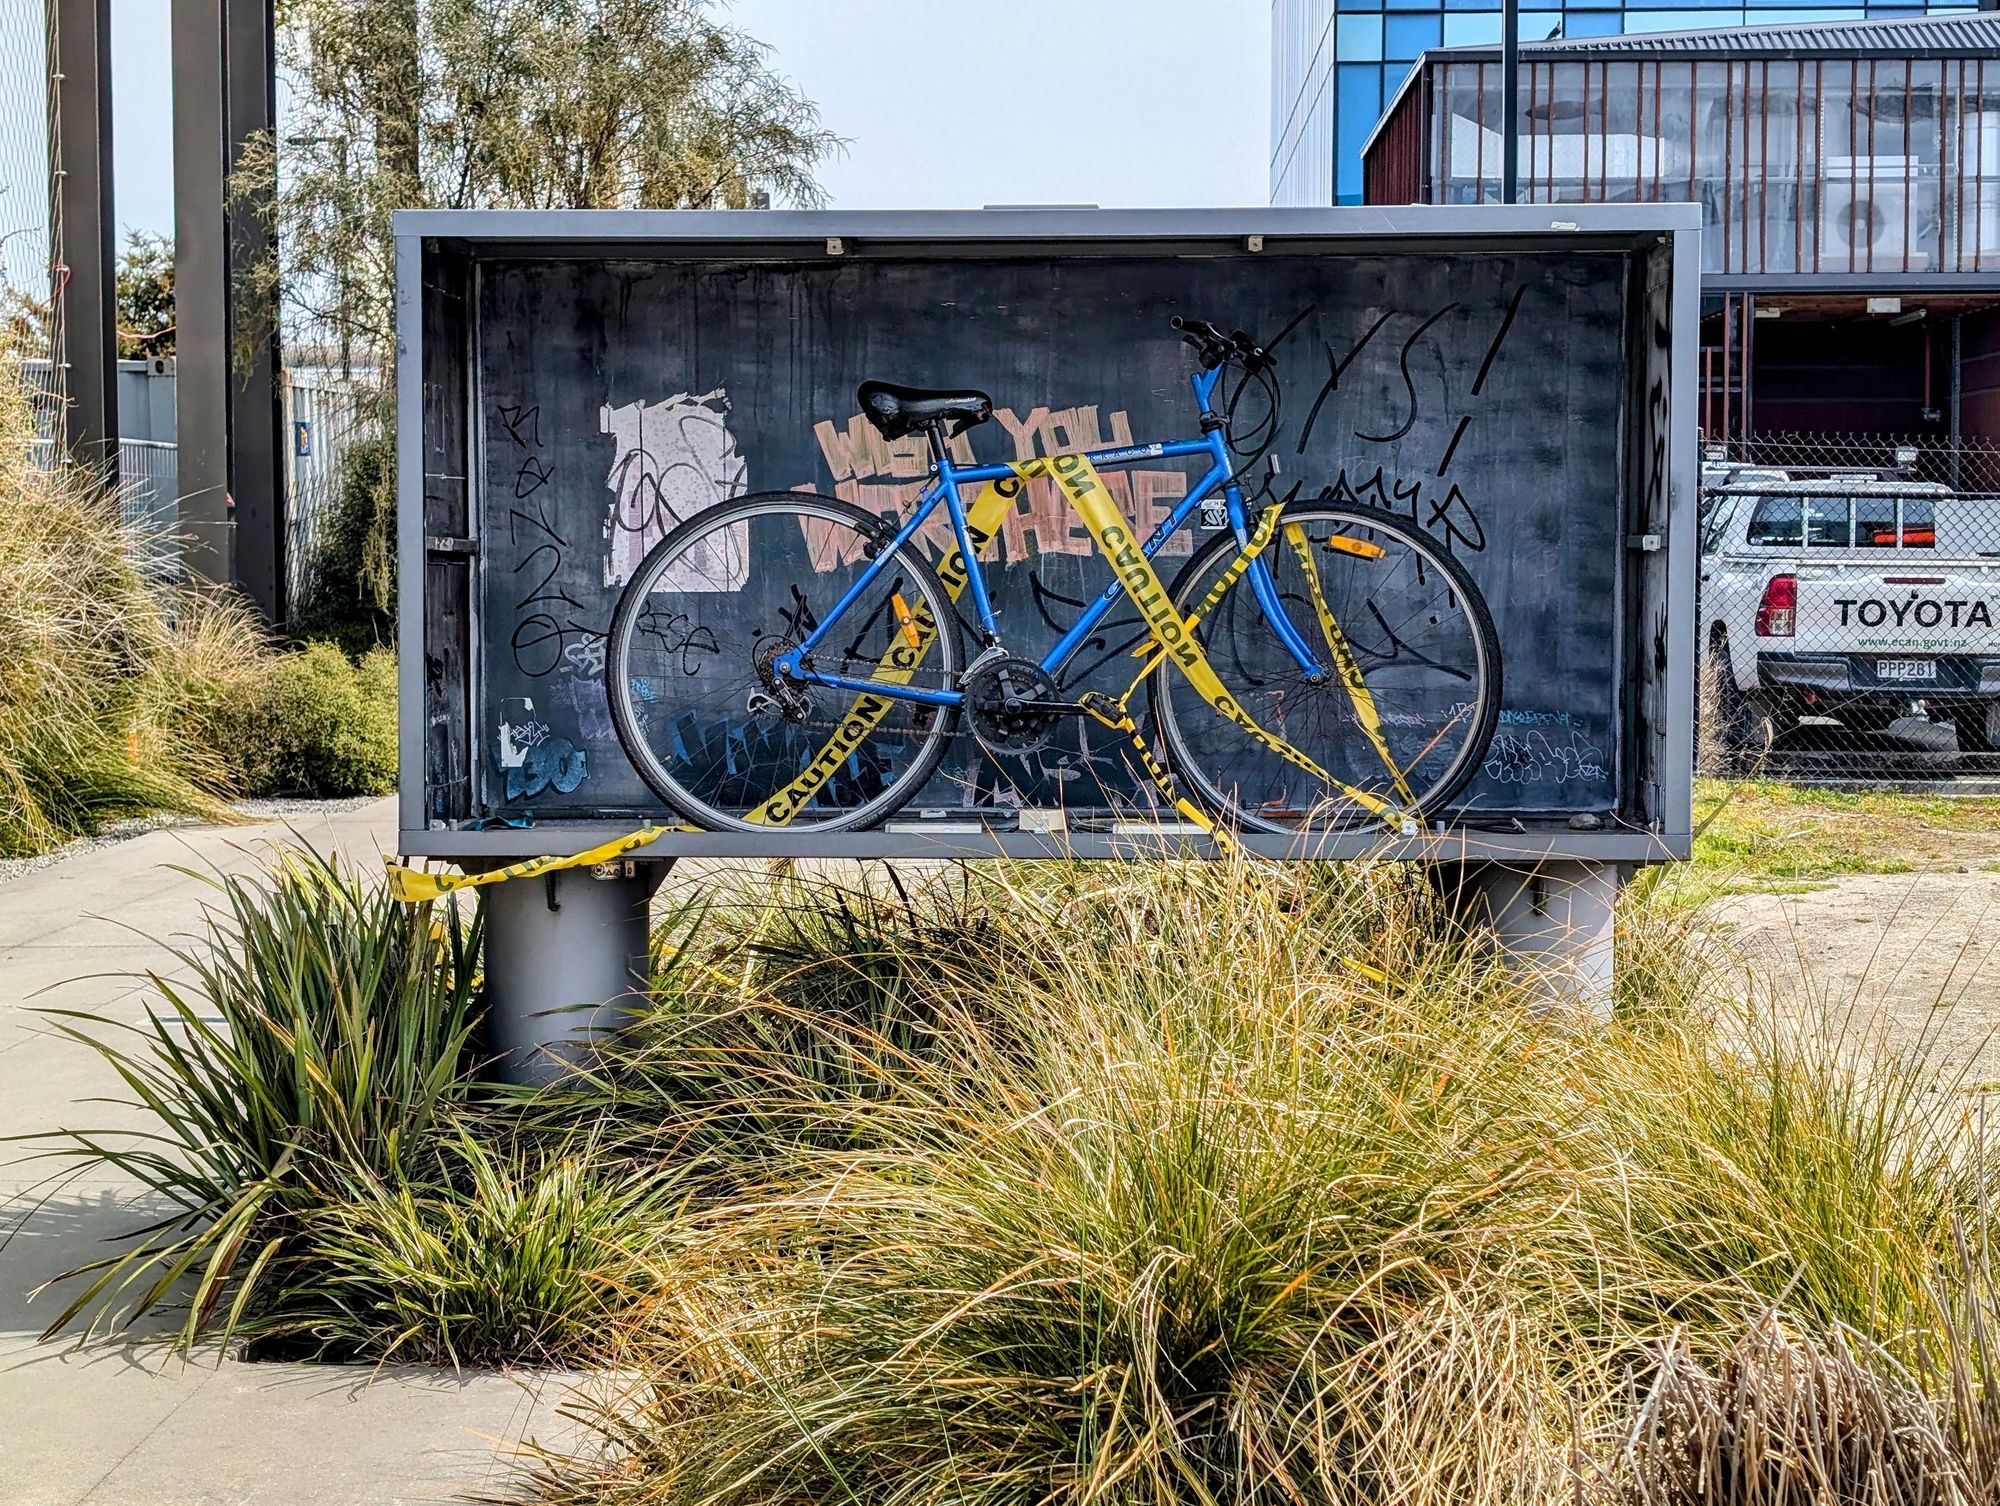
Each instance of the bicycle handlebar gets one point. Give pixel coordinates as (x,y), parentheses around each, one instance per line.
(1215,348)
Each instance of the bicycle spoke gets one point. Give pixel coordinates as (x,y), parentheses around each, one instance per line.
(725,736)
(1402,715)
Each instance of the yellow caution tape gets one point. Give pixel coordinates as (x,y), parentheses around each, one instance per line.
(1344,661)
(414,887)
(898,666)
(1087,494)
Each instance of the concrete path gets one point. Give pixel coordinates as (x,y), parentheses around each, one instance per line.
(124,1424)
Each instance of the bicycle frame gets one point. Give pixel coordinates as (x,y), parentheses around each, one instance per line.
(1213,444)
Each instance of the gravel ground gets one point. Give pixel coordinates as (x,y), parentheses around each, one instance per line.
(253,812)
(1909,960)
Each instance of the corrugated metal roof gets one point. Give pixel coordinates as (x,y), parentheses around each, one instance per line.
(1915,36)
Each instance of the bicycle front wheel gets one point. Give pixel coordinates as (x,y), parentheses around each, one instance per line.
(717,731)
(1408,705)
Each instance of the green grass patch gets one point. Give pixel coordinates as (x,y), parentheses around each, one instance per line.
(1767,837)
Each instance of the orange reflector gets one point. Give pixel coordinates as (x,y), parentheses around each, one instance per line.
(1358,547)
(909,623)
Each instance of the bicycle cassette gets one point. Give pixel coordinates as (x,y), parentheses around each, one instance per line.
(781,695)
(1006,698)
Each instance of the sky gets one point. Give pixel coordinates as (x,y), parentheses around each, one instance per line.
(957,105)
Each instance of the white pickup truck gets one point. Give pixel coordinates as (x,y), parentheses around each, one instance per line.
(1862,600)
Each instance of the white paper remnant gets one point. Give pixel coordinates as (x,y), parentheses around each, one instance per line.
(671,459)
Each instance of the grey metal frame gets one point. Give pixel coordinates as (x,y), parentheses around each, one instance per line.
(85,292)
(1663,613)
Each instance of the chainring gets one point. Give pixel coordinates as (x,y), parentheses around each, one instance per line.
(995,689)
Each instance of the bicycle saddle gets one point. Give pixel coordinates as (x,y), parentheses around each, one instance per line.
(897,411)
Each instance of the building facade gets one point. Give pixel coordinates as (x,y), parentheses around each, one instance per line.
(1849,179)
(1335,64)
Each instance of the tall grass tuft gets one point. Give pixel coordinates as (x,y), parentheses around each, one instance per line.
(324,1025)
(95,662)
(1787,1418)
(501,1250)
(1742,1159)
(1214,1183)
(1190,1210)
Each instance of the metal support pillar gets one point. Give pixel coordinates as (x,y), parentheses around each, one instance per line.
(566,955)
(1957,394)
(1510,101)
(256,416)
(1555,919)
(84,305)
(201,291)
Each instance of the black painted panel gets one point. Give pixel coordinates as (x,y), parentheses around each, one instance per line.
(1478,393)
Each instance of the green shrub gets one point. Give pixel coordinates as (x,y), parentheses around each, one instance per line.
(313,723)
(349,591)
(324,1026)
(1158,1184)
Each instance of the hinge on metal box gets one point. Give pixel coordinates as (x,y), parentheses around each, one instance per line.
(440,543)
(1645,543)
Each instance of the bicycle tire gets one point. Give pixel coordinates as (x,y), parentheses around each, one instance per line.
(632,721)
(1440,785)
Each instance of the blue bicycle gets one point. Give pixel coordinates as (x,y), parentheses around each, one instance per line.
(785,659)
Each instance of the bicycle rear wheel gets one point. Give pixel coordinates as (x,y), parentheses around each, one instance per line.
(703,714)
(1402,730)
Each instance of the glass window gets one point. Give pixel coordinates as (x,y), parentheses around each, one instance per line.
(1716,524)
(1588,24)
(1360,105)
(1675,20)
(1775,522)
(1403,37)
(1359,4)
(1624,153)
(1468,142)
(1827,522)
(1919,523)
(1874,522)
(1472,4)
(1358,39)
(1471,31)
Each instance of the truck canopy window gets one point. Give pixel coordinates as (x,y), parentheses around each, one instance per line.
(1776,521)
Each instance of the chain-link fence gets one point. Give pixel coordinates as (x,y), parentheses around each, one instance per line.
(148,503)
(1850,609)
(29,243)
(327,417)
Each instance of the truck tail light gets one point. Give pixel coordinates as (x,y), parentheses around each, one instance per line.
(1779,606)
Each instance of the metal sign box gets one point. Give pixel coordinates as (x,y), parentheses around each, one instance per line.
(1519,381)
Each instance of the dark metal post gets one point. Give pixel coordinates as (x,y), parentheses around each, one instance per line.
(201,291)
(1957,393)
(84,305)
(1510,101)
(256,417)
